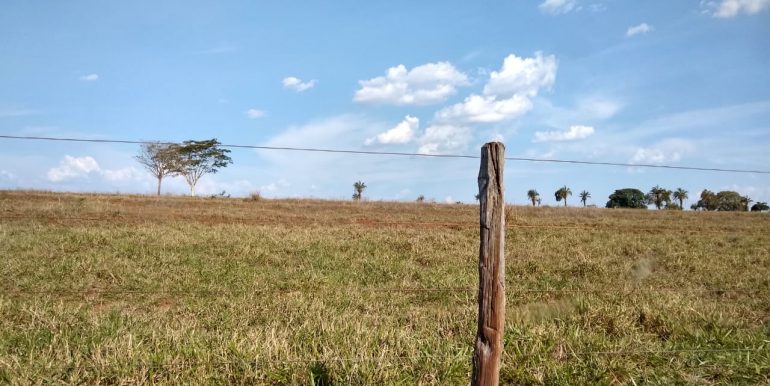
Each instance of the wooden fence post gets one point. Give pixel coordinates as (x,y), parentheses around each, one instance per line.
(489,337)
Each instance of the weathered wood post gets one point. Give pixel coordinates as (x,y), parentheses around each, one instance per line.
(489,337)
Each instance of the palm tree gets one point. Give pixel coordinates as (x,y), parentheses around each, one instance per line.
(584,196)
(358,190)
(562,194)
(658,196)
(745,201)
(680,195)
(533,196)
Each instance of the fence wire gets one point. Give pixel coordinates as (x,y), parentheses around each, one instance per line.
(460,357)
(407,154)
(378,223)
(348,289)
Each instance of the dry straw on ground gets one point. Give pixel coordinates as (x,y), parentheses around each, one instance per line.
(131,289)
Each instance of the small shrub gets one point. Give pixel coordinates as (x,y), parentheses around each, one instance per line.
(510,214)
(254,196)
(222,194)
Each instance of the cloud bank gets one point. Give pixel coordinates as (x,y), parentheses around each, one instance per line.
(507,93)
(426,84)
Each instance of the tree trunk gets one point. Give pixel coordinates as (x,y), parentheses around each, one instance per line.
(159,179)
(192,190)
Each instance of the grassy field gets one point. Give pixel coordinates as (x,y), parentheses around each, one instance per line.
(110,289)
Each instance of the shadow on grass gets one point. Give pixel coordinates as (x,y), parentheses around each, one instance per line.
(319,373)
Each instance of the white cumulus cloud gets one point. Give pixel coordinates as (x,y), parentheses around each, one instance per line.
(507,93)
(574,133)
(90,77)
(82,167)
(731,8)
(669,150)
(556,7)
(255,113)
(404,132)
(522,76)
(297,84)
(485,109)
(73,167)
(638,29)
(425,84)
(443,139)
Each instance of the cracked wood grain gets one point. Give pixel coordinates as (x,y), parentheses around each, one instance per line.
(489,336)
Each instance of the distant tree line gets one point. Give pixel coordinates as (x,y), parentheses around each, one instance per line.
(662,198)
(727,201)
(194,159)
(560,194)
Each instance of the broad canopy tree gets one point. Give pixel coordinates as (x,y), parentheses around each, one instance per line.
(627,198)
(190,159)
(708,201)
(745,201)
(196,158)
(723,201)
(731,201)
(159,159)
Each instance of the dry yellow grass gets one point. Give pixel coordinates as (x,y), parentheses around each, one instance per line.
(135,289)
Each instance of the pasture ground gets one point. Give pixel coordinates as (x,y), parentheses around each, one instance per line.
(116,289)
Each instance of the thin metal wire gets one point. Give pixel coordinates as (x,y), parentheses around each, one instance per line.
(622,229)
(256,362)
(338,359)
(254,221)
(89,292)
(407,154)
(461,356)
(673,351)
(662,351)
(225,292)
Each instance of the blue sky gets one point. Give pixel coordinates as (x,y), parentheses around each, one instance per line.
(680,83)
